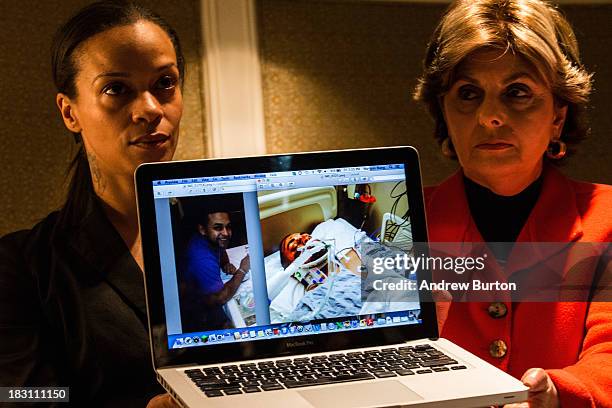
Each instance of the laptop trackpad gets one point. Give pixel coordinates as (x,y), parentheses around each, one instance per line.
(360,395)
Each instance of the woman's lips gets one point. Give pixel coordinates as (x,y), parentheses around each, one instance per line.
(494,146)
(151,141)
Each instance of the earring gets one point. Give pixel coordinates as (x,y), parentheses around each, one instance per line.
(556,149)
(448,149)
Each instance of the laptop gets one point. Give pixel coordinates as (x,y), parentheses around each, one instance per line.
(259,289)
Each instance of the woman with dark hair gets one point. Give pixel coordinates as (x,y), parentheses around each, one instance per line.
(504,83)
(72,307)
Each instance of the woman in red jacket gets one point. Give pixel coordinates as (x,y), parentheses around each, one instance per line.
(504,83)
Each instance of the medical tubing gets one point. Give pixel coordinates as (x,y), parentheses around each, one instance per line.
(395,204)
(331,276)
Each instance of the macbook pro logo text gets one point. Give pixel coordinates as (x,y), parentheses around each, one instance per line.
(301,343)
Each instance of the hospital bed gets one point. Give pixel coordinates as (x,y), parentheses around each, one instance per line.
(281,213)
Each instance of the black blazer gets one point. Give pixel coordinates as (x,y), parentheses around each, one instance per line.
(72,312)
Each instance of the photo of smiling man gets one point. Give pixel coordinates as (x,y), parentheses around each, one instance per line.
(205,259)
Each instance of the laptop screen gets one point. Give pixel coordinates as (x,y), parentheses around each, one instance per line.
(250,257)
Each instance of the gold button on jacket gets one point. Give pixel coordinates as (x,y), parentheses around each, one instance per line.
(498,348)
(497,310)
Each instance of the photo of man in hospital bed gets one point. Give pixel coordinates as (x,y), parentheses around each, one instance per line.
(317,274)
(316,280)
(309,258)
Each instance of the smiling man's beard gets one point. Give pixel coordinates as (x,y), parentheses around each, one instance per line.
(223,241)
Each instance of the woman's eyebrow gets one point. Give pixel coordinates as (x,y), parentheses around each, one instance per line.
(166,66)
(466,78)
(111,74)
(119,74)
(510,78)
(519,75)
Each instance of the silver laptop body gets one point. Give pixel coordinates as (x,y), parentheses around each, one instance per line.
(259,348)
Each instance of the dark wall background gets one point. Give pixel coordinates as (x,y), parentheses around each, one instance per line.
(35,147)
(339,74)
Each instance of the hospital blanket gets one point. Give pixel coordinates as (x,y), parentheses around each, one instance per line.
(339,295)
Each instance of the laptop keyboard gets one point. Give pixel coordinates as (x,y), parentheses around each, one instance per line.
(321,370)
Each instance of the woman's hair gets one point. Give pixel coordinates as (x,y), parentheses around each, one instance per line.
(533,29)
(86,23)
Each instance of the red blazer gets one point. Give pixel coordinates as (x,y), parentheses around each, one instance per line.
(571,340)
